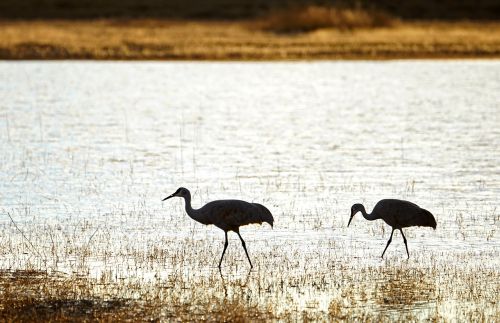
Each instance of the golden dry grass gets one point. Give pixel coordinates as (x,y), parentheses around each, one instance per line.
(91,272)
(382,294)
(244,40)
(122,270)
(34,296)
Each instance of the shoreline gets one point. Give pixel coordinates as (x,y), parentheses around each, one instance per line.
(277,60)
(174,40)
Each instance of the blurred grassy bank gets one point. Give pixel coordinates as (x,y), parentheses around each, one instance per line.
(275,37)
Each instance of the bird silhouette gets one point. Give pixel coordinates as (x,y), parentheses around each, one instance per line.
(398,214)
(228,215)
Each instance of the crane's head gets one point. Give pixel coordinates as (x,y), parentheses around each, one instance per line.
(355,208)
(181,192)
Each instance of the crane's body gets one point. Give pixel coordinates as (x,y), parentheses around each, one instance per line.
(227,215)
(398,214)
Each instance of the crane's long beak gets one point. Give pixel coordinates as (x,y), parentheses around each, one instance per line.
(167,197)
(352,216)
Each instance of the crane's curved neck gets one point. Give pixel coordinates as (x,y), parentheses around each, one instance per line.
(369,217)
(189,209)
(193,213)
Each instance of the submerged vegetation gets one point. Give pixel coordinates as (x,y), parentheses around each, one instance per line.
(144,267)
(163,284)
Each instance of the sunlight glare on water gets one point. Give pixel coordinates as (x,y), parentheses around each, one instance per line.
(97,145)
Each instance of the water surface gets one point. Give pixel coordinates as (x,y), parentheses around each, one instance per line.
(89,149)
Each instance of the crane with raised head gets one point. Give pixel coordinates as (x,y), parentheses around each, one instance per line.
(227,215)
(398,214)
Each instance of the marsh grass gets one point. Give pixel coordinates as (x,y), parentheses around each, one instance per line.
(341,294)
(248,39)
(124,276)
(30,295)
(129,263)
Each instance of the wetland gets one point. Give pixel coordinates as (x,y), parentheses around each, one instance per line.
(89,150)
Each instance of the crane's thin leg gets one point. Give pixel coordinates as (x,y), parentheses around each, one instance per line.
(223,282)
(245,247)
(224,251)
(388,243)
(406,245)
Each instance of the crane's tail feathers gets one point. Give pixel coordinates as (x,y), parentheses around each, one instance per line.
(430,221)
(264,215)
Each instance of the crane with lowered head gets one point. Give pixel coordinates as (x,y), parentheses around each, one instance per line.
(227,215)
(398,214)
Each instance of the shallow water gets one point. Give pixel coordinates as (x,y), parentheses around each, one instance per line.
(89,149)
